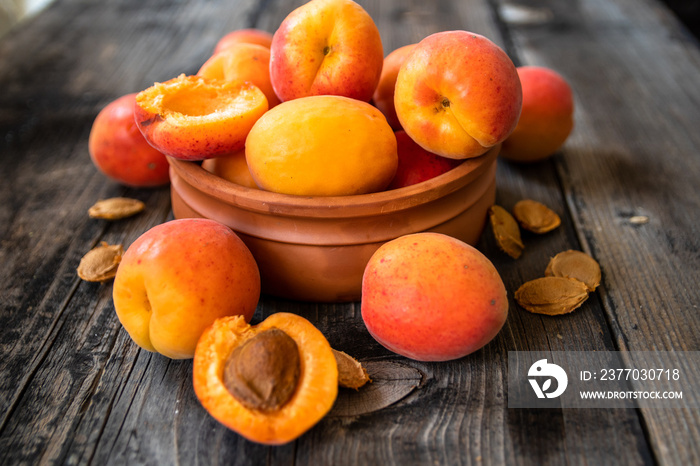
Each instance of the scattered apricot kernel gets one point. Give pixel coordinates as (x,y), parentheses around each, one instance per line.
(506,231)
(535,216)
(263,372)
(575,264)
(552,295)
(100,264)
(351,374)
(116,208)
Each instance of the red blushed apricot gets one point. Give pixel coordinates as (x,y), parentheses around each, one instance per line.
(431,297)
(417,164)
(119,150)
(316,378)
(245,36)
(546,119)
(195,118)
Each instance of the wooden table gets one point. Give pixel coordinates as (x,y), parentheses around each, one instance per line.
(75,389)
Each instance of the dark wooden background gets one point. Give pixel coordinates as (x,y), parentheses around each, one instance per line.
(74,389)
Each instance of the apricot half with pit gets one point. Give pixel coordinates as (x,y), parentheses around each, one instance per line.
(269,382)
(195,118)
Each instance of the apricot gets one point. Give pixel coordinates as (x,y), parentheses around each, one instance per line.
(431,297)
(233,168)
(180,276)
(242,62)
(269,382)
(119,150)
(322,146)
(244,36)
(547,117)
(326,47)
(458,94)
(195,118)
(383,97)
(417,164)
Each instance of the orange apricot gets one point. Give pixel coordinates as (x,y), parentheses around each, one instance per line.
(322,146)
(233,168)
(245,36)
(242,376)
(242,62)
(195,118)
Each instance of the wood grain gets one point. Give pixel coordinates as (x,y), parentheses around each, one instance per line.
(74,388)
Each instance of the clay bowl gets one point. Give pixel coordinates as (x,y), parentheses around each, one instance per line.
(316,248)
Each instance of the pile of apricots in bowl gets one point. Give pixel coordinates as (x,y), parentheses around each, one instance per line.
(308,165)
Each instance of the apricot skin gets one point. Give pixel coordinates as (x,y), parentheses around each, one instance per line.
(417,164)
(233,168)
(383,97)
(430,297)
(245,36)
(242,62)
(180,276)
(546,119)
(119,150)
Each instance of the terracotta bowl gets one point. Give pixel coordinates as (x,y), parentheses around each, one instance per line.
(316,248)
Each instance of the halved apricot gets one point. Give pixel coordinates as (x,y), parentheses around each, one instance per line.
(242,376)
(195,118)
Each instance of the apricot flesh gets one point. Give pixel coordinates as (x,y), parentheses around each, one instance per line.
(431,297)
(315,393)
(194,118)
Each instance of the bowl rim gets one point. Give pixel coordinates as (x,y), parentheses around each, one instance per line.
(358,205)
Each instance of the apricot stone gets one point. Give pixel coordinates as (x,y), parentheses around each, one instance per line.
(431,297)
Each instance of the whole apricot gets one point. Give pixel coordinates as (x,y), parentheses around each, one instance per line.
(458,94)
(417,164)
(242,62)
(547,117)
(233,168)
(326,47)
(244,36)
(119,150)
(322,146)
(270,382)
(180,276)
(431,297)
(383,96)
(195,118)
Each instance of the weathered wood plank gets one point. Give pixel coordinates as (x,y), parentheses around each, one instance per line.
(75,389)
(633,153)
